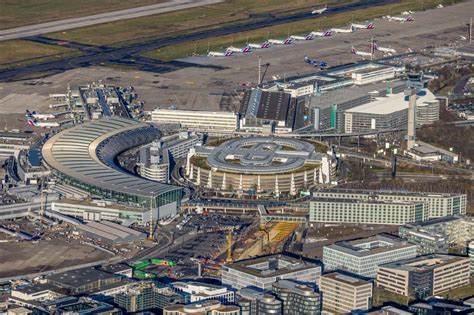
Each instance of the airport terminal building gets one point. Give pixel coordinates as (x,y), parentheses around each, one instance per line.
(85,157)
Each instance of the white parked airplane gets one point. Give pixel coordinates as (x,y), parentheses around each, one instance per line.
(401,19)
(360,53)
(387,50)
(265,44)
(286,41)
(307,37)
(367,26)
(319,11)
(35,115)
(227,53)
(321,34)
(36,123)
(343,30)
(246,49)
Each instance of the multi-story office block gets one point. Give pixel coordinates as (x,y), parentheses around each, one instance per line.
(428,242)
(424,276)
(457,229)
(197,120)
(262,272)
(344,293)
(367,211)
(362,256)
(257,302)
(197,291)
(298,298)
(210,307)
(145,296)
(470,251)
(439,204)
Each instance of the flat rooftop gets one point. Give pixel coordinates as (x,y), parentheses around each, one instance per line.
(390,104)
(261,266)
(386,192)
(370,246)
(365,201)
(424,263)
(345,278)
(80,277)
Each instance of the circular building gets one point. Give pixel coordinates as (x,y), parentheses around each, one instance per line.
(269,165)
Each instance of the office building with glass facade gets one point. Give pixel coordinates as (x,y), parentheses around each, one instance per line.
(344,292)
(363,256)
(439,204)
(366,211)
(262,272)
(85,157)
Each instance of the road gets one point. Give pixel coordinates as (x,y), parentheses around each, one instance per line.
(61,25)
(129,55)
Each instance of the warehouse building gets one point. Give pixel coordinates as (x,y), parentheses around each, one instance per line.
(262,272)
(440,204)
(277,111)
(84,156)
(344,292)
(391,112)
(424,276)
(363,256)
(367,211)
(197,120)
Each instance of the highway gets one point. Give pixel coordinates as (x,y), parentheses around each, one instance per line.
(129,55)
(61,25)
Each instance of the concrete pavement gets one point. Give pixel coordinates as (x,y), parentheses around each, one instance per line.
(61,25)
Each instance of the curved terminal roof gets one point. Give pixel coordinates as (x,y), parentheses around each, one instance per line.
(84,153)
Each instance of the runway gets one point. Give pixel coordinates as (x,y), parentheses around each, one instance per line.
(61,25)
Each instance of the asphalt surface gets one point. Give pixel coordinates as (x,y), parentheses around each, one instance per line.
(61,25)
(129,55)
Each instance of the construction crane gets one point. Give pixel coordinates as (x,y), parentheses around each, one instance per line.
(229,245)
(150,234)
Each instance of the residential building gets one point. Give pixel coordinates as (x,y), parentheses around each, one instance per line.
(210,307)
(367,211)
(197,120)
(298,298)
(197,291)
(424,276)
(147,295)
(253,301)
(363,256)
(262,272)
(440,204)
(428,242)
(343,292)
